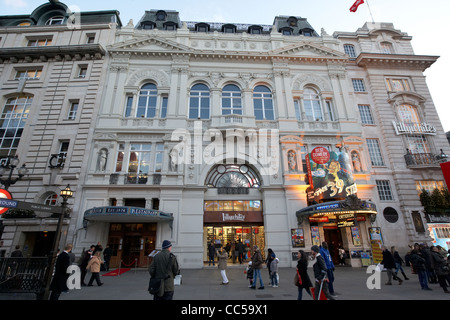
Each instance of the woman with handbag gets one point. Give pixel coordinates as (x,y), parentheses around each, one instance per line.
(302,280)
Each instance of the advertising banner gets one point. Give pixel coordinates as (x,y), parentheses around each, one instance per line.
(330,174)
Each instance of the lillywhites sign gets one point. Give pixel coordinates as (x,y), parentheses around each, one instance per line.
(408,128)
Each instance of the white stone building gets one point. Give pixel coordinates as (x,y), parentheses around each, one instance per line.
(198,132)
(52,71)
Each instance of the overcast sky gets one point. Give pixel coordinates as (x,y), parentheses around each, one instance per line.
(425,21)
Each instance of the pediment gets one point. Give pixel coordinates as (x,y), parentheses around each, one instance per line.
(149,43)
(308,49)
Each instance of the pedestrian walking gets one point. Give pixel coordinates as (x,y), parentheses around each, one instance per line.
(330,266)
(240,248)
(211,253)
(257,264)
(249,271)
(302,269)
(94,266)
(274,272)
(418,264)
(398,263)
(84,262)
(165,266)
(341,256)
(320,274)
(107,254)
(440,267)
(389,264)
(270,256)
(223,257)
(426,254)
(59,281)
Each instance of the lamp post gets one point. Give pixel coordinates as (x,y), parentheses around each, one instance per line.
(65,194)
(11,164)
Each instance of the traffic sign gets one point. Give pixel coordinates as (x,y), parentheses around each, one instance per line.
(4,194)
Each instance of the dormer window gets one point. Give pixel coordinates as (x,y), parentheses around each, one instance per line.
(255,30)
(170,26)
(161,16)
(55,20)
(292,21)
(229,28)
(202,27)
(307,32)
(148,25)
(286,31)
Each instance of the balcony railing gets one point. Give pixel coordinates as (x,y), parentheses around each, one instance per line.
(134,178)
(424,159)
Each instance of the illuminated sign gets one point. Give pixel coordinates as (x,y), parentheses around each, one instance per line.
(411,128)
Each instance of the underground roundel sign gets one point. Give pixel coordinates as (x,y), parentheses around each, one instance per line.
(4,194)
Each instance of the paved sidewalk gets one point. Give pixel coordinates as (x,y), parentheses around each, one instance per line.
(204,284)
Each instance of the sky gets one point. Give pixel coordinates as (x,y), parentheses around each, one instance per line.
(425,21)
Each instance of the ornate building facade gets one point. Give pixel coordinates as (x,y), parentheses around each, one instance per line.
(270,135)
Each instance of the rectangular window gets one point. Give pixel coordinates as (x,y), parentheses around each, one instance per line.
(397,85)
(73,110)
(429,185)
(365,114)
(164,103)
(82,72)
(329,107)
(43,42)
(12,122)
(375,152)
(358,85)
(29,74)
(298,113)
(120,157)
(128,106)
(384,190)
(350,50)
(159,157)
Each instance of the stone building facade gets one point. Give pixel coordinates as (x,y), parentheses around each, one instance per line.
(200,132)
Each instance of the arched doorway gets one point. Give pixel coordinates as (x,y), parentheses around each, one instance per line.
(233,211)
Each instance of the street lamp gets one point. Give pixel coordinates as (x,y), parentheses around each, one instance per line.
(65,194)
(13,162)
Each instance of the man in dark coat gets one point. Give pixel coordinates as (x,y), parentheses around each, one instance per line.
(165,266)
(389,263)
(320,273)
(59,282)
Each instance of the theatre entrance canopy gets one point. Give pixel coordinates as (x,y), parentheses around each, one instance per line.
(127,215)
(351,205)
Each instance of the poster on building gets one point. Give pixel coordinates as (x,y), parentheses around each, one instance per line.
(297,238)
(330,174)
(315,236)
(376,241)
(356,237)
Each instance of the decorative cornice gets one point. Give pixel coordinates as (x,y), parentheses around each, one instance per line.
(402,61)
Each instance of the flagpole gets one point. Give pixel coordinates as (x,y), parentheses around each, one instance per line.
(370,11)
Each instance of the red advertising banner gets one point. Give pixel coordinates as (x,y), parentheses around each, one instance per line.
(445,167)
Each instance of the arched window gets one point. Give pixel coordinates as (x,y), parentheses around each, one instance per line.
(233,176)
(263,103)
(199,102)
(51,200)
(313,108)
(12,122)
(55,20)
(147,101)
(231,100)
(408,114)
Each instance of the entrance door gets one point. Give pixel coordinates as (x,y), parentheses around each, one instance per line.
(131,250)
(333,239)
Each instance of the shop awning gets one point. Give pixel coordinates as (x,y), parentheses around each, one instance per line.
(127,215)
(349,205)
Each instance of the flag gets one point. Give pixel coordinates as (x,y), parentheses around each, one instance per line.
(356,5)
(445,167)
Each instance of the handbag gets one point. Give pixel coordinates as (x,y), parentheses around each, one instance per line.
(298,279)
(156,285)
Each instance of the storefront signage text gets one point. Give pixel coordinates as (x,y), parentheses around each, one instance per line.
(422,128)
